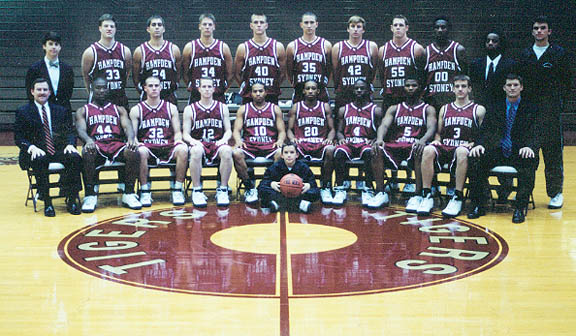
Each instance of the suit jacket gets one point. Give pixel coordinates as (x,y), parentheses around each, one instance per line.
(28,130)
(486,92)
(523,130)
(65,84)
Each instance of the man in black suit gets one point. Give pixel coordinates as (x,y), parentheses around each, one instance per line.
(44,133)
(60,75)
(508,137)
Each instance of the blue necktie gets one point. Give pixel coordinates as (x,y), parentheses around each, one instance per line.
(507,140)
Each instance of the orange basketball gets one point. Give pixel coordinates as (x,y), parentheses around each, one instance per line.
(291,185)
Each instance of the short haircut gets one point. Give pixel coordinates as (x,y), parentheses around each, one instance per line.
(100,78)
(462,78)
(258,14)
(257,83)
(412,76)
(38,81)
(288,144)
(401,17)
(309,14)
(146,80)
(154,17)
(444,18)
(513,76)
(106,17)
(206,16)
(541,19)
(206,78)
(357,19)
(51,36)
(503,41)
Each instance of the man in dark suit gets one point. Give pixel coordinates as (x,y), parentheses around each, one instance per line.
(60,75)
(44,133)
(508,137)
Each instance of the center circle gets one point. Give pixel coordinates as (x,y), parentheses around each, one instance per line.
(300,238)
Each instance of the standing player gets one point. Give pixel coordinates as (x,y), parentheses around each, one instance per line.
(356,133)
(311,129)
(260,60)
(158,58)
(353,60)
(308,59)
(263,134)
(108,136)
(444,60)
(458,126)
(207,131)
(108,59)
(404,132)
(207,57)
(160,139)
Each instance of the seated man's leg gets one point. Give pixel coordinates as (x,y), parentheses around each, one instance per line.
(226,162)
(270,198)
(251,193)
(414,201)
(71,180)
(341,169)
(326,171)
(131,170)
(526,175)
(478,172)
(40,169)
(181,155)
(454,207)
(196,155)
(145,194)
(91,160)
(427,170)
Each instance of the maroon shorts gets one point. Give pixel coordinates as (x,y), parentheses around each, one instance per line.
(161,153)
(211,151)
(354,151)
(259,149)
(396,152)
(312,151)
(110,151)
(446,155)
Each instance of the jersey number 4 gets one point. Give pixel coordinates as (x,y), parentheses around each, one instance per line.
(105,130)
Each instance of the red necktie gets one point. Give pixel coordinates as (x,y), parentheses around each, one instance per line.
(48,138)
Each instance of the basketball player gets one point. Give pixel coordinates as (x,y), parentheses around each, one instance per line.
(260,60)
(108,59)
(352,60)
(311,129)
(458,126)
(444,60)
(158,58)
(207,131)
(159,139)
(404,132)
(356,133)
(207,57)
(108,136)
(308,58)
(263,134)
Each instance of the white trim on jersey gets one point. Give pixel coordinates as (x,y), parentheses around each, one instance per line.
(95,54)
(247,50)
(455,56)
(275,53)
(413,54)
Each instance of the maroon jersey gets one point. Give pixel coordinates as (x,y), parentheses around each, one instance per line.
(396,64)
(409,123)
(261,66)
(354,63)
(459,124)
(155,128)
(260,124)
(159,63)
(311,125)
(110,64)
(103,123)
(441,67)
(359,123)
(208,62)
(310,63)
(207,122)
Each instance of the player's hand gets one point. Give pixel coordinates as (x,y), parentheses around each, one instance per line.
(526,153)
(221,142)
(469,145)
(477,151)
(35,152)
(194,142)
(342,141)
(71,149)
(240,144)
(132,145)
(377,144)
(305,187)
(327,142)
(90,147)
(278,144)
(418,147)
(275,185)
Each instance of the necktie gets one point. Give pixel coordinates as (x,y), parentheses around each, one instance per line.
(507,140)
(54,64)
(490,71)
(47,136)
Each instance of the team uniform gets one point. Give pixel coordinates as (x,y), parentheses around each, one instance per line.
(261,65)
(160,63)
(354,63)
(103,125)
(359,128)
(310,63)
(311,129)
(207,62)
(460,126)
(208,127)
(155,131)
(408,127)
(396,64)
(259,131)
(441,67)
(110,64)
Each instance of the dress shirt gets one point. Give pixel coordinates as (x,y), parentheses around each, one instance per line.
(47,106)
(54,73)
(494,61)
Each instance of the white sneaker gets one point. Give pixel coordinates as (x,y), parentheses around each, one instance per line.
(326,195)
(556,202)
(367,195)
(413,204)
(379,200)
(409,188)
(251,196)
(131,201)
(178,197)
(89,203)
(146,198)
(222,198)
(453,208)
(198,198)
(305,206)
(426,205)
(339,196)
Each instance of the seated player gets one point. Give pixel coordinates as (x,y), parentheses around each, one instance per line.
(108,136)
(207,131)
(407,128)
(311,129)
(458,125)
(356,132)
(159,139)
(269,188)
(263,134)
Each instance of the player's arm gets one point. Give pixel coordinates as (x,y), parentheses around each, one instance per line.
(462,61)
(437,137)
(374,57)
(431,123)
(87,63)
(178,60)
(128,130)
(239,63)
(290,66)
(227,128)
(340,132)
(81,128)
(330,121)
(280,127)
(185,64)
(379,65)
(136,68)
(328,52)
(238,125)
(187,126)
(229,64)
(385,125)
(419,57)
(176,123)
(135,119)
(291,123)
(281,52)
(335,52)
(127,60)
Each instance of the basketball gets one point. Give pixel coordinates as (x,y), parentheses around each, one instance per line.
(291,185)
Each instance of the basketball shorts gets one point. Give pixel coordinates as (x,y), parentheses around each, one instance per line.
(258,149)
(110,151)
(354,151)
(160,154)
(396,152)
(211,151)
(446,155)
(311,151)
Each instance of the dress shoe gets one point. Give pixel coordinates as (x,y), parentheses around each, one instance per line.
(73,206)
(519,215)
(49,211)
(477,212)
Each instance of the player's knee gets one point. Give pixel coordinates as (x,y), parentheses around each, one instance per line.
(196,153)
(225,152)
(461,154)
(238,154)
(428,153)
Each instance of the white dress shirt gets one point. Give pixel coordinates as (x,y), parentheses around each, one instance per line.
(47,113)
(493,61)
(54,73)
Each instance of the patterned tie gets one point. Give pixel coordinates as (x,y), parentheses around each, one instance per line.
(507,140)
(55,64)
(47,137)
